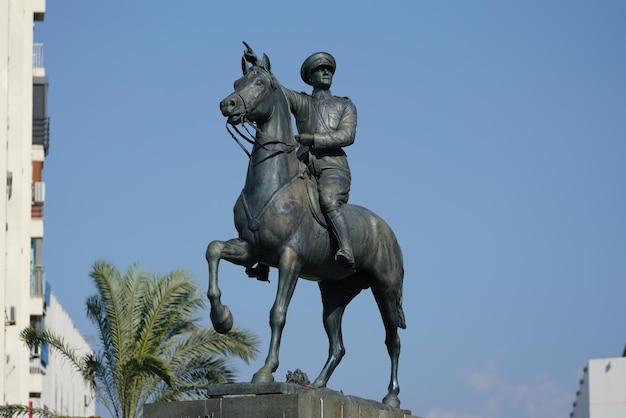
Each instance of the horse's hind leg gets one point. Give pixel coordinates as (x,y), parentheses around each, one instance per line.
(236,251)
(389,302)
(335,298)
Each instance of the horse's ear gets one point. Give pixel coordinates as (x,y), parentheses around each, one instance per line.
(244,66)
(266,63)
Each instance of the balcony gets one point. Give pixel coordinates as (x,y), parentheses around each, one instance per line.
(41,121)
(41,133)
(38,55)
(38,281)
(36,375)
(39,10)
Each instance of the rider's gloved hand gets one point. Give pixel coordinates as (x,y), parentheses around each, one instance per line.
(249,55)
(305,139)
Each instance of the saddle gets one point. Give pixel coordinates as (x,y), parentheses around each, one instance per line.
(313,197)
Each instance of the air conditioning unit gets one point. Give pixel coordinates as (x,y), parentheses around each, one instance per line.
(10,318)
(39,193)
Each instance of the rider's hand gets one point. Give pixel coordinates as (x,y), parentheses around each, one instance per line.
(250,57)
(305,139)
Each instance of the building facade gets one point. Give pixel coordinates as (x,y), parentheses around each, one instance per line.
(62,388)
(25,298)
(602,392)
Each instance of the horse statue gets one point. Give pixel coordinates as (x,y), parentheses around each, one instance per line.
(279,224)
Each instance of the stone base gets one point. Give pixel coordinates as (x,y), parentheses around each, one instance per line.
(273,400)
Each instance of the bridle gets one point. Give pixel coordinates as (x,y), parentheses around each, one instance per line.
(249,137)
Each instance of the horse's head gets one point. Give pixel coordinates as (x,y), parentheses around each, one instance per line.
(254,96)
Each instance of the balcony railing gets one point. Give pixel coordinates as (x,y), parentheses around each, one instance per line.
(36,365)
(37,55)
(41,132)
(38,281)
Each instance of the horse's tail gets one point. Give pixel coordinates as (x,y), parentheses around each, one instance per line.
(401,319)
(400,312)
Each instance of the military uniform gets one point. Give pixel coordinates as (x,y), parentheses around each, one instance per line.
(332,121)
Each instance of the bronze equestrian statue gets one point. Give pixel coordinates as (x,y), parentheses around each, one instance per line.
(280,224)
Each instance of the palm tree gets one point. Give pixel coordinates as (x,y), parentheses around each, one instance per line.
(151,346)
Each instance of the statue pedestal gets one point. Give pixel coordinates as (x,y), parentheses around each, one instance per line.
(269,400)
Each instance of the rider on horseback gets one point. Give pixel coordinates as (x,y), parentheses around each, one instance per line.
(326,124)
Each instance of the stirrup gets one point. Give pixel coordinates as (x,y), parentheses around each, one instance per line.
(344,258)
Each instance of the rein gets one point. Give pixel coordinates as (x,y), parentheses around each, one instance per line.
(248,137)
(251,141)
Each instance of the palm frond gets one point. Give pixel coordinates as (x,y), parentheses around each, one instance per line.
(169,304)
(22,410)
(107,279)
(34,337)
(192,383)
(237,342)
(151,344)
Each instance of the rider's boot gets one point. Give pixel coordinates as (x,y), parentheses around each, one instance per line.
(260,272)
(339,226)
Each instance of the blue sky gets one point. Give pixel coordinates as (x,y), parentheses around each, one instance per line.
(491,137)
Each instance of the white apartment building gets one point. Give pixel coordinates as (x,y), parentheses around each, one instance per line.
(63,390)
(602,392)
(28,377)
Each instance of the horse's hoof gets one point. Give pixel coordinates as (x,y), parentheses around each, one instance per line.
(392,400)
(222,320)
(319,384)
(262,376)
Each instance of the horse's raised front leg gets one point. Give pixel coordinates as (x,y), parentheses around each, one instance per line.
(236,251)
(289,269)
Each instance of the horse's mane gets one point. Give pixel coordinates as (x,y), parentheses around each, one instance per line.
(277,87)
